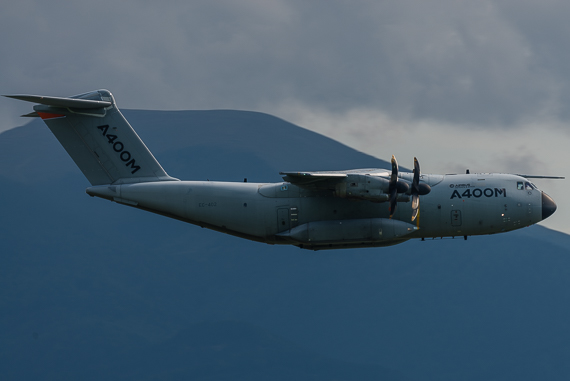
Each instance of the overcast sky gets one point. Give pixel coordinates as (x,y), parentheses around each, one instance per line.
(459,84)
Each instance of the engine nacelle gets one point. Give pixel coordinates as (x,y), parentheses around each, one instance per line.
(369,188)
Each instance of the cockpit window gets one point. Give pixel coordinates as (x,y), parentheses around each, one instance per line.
(527,185)
(530,186)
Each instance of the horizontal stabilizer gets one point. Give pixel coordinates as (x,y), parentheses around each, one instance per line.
(61,102)
(31,115)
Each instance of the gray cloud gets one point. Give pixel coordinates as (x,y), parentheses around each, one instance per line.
(434,79)
(484,62)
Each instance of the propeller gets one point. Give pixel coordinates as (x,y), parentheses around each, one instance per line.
(393,187)
(417,189)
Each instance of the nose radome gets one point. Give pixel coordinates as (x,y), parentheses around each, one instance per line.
(548,206)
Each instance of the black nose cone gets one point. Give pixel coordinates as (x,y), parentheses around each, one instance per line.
(548,206)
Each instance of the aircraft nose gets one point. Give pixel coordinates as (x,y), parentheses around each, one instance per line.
(548,206)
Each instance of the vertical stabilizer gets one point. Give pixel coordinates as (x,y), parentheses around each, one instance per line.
(98,138)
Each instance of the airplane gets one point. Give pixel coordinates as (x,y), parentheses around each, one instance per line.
(311,210)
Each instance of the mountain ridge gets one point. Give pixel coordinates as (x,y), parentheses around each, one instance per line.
(81,275)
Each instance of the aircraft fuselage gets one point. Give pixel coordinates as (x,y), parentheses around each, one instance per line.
(458,205)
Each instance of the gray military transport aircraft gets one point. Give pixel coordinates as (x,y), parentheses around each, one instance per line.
(311,210)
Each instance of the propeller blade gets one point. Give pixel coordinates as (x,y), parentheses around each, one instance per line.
(393,187)
(416,189)
(415,201)
(394,176)
(415,213)
(393,203)
(416,180)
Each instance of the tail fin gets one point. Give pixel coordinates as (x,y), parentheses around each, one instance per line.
(98,138)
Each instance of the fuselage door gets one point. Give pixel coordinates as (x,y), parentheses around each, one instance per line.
(283,220)
(456,218)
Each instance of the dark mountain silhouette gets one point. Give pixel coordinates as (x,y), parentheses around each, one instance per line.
(95,290)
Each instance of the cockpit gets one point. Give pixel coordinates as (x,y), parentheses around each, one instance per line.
(526,185)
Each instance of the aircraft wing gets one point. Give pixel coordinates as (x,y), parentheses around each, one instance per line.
(327,179)
(319,180)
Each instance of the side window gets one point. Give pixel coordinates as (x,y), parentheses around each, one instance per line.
(520,185)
